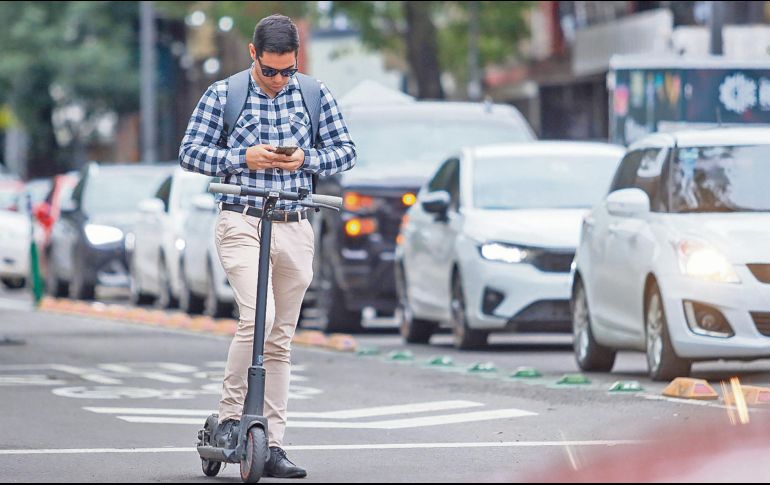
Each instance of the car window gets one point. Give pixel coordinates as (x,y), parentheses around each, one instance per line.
(441,180)
(454,185)
(626,174)
(648,174)
(164,193)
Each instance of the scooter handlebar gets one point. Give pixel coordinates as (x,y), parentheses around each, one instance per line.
(326,201)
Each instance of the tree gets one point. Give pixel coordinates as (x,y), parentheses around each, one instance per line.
(433,36)
(74,59)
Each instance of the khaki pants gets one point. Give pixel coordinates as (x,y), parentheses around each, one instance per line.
(291,271)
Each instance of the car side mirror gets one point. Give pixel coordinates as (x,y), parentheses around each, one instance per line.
(204,203)
(152,207)
(437,203)
(628,203)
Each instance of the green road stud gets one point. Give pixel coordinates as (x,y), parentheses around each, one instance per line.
(626,386)
(526,373)
(401,355)
(483,368)
(442,361)
(573,379)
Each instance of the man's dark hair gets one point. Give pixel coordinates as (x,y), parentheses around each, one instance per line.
(276,34)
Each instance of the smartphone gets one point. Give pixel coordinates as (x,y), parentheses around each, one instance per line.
(285,150)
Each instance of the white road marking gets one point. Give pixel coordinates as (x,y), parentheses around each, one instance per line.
(389,424)
(350,414)
(86,375)
(396,446)
(30,380)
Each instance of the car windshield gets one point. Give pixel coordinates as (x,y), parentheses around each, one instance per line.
(542,181)
(417,146)
(187,188)
(109,192)
(721,179)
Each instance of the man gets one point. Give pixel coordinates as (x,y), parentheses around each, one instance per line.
(274,115)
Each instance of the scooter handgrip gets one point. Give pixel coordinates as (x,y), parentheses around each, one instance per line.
(225,189)
(328,200)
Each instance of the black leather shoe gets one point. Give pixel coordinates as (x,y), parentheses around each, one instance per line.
(279,466)
(226,435)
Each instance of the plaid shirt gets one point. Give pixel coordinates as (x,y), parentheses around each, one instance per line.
(282,121)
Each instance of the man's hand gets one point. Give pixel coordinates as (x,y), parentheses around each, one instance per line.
(262,157)
(291,162)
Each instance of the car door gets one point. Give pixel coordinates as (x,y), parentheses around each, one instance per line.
(601,273)
(628,251)
(419,243)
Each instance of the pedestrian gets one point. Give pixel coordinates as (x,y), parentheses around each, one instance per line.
(274,115)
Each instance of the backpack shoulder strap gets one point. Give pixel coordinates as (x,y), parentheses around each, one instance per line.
(237,93)
(311,96)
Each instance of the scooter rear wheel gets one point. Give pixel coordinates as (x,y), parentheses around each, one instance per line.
(211,468)
(257,454)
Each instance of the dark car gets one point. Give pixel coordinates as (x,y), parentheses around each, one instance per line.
(399,144)
(87,246)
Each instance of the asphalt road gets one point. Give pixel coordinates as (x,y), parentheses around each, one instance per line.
(90,401)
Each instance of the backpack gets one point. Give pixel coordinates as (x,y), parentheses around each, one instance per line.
(238,92)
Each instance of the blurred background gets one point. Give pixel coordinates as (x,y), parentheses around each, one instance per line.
(117,81)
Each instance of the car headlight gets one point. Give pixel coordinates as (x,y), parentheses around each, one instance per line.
(99,235)
(505,253)
(180,244)
(701,260)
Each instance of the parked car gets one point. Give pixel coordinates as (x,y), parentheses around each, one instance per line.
(205,288)
(156,244)
(15,238)
(489,244)
(10,190)
(676,261)
(398,144)
(88,241)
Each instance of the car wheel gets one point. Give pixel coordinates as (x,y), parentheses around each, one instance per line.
(662,361)
(214,307)
(14,283)
(165,296)
(53,285)
(413,330)
(465,338)
(189,302)
(590,355)
(80,288)
(336,316)
(136,295)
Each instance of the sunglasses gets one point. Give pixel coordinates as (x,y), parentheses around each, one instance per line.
(272,72)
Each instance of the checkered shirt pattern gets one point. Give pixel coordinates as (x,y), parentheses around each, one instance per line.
(282,121)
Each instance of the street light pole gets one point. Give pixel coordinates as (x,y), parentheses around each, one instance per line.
(148,93)
(474,74)
(716,24)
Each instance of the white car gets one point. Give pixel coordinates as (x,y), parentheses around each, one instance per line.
(489,244)
(156,245)
(205,288)
(15,238)
(676,261)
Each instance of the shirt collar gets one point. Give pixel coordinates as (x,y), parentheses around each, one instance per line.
(254,87)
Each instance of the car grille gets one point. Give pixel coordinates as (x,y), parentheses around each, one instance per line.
(554,261)
(761,272)
(762,321)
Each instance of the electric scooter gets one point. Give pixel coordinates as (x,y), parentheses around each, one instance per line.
(251,450)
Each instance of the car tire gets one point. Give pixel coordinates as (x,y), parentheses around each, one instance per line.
(464,337)
(189,302)
(14,283)
(80,288)
(662,361)
(136,295)
(413,330)
(53,285)
(166,298)
(335,316)
(590,355)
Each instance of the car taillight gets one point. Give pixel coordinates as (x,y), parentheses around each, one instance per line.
(355,202)
(409,199)
(360,226)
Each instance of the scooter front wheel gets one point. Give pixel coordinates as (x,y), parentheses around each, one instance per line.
(257,454)
(210,468)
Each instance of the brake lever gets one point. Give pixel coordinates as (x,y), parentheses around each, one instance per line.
(316,205)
